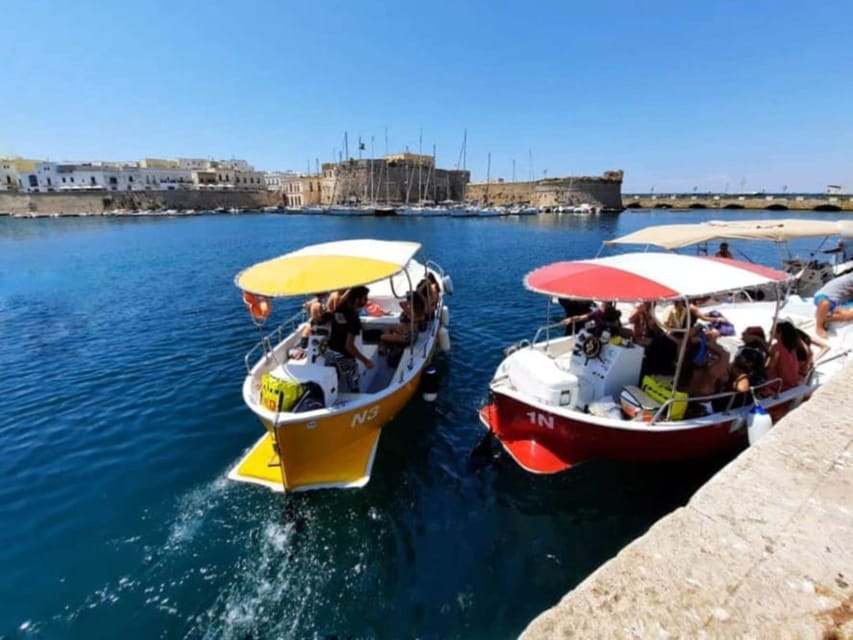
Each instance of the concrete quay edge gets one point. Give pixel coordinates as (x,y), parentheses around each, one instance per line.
(763,550)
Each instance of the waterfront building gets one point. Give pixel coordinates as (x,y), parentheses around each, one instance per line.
(8,174)
(149,174)
(18,174)
(301,191)
(275,180)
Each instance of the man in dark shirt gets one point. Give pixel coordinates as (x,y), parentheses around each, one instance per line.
(346,326)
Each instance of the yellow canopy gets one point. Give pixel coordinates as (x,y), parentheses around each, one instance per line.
(327,267)
(674,236)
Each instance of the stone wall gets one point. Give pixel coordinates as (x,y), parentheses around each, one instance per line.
(604,191)
(763,550)
(100,202)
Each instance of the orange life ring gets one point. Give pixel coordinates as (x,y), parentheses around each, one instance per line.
(259,306)
(261,309)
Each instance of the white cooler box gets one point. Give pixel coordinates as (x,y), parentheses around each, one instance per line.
(536,375)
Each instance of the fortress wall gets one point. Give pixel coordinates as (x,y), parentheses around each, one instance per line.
(500,193)
(605,191)
(101,201)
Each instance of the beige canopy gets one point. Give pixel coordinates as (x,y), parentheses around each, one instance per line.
(674,236)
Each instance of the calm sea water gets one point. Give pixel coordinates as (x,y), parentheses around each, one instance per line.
(121,360)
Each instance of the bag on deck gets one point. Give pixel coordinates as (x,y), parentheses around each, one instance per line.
(279,394)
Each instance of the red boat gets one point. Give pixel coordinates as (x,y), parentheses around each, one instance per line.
(561,400)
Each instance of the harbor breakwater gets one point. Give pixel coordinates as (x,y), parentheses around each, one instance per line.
(775,202)
(98,202)
(763,550)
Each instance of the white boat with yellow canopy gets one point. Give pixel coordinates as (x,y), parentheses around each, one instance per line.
(811,273)
(319,432)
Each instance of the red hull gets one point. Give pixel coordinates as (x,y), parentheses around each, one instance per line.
(544,442)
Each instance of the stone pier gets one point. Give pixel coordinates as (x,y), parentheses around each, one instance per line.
(763,550)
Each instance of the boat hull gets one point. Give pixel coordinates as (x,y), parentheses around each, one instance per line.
(323,451)
(548,442)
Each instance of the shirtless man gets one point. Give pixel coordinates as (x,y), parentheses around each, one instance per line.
(829,300)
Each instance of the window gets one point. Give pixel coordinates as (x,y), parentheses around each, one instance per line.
(130,178)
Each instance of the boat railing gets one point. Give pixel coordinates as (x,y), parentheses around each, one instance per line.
(273,338)
(837,356)
(664,410)
(546,329)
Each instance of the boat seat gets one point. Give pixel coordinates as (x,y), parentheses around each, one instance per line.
(637,404)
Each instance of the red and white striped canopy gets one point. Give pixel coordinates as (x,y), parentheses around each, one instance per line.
(649,276)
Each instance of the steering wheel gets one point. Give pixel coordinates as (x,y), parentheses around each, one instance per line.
(591,348)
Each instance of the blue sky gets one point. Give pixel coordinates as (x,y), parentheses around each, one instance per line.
(677,94)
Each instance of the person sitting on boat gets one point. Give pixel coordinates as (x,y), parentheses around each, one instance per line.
(644,323)
(429,290)
(346,326)
(830,300)
(724,251)
(747,372)
(613,324)
(597,316)
(705,371)
(713,320)
(574,308)
(755,349)
(783,363)
(318,315)
(411,317)
(805,356)
(678,319)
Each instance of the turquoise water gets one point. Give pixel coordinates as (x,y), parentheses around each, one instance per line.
(121,361)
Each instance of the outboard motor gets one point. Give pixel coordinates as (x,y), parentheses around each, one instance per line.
(429,383)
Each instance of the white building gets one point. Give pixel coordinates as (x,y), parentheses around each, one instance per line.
(275,180)
(149,174)
(8,175)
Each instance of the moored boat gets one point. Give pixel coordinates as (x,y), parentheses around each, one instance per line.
(321,430)
(561,400)
(830,258)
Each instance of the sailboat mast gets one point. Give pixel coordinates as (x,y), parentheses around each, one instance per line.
(434,178)
(420,164)
(488,176)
